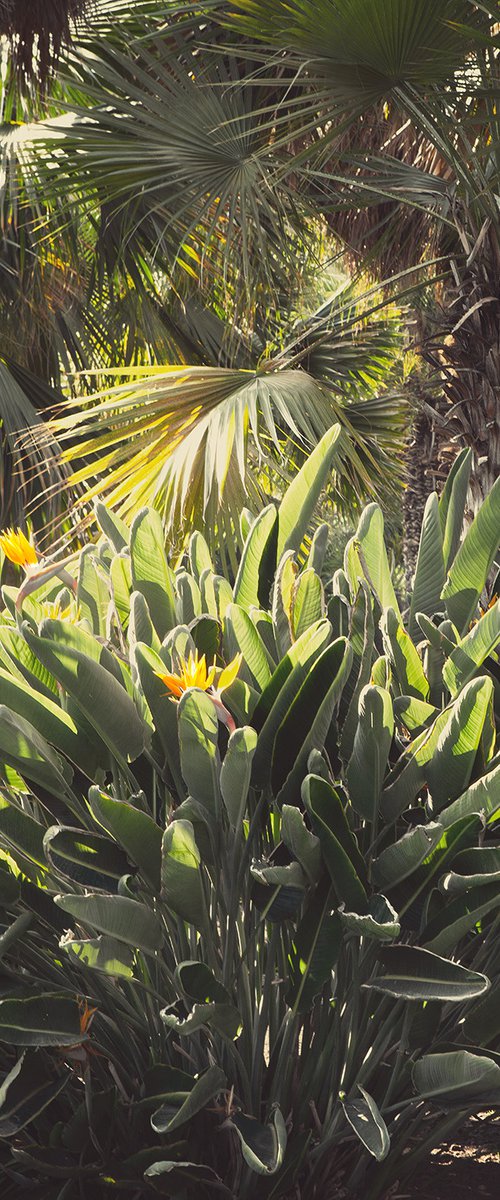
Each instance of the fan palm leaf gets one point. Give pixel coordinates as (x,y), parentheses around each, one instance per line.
(175,153)
(179,439)
(366,49)
(194,441)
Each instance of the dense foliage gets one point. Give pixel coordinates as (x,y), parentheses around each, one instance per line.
(180,186)
(250,926)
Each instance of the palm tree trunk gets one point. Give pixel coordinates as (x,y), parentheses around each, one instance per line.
(467,355)
(420,481)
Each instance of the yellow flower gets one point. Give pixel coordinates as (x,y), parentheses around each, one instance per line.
(54,611)
(194,673)
(228,674)
(17,548)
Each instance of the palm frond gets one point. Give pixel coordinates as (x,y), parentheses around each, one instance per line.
(192,441)
(173,150)
(366,48)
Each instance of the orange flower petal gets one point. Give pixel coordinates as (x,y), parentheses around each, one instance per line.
(174,683)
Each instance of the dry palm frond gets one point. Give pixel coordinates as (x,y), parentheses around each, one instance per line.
(381,230)
(36,30)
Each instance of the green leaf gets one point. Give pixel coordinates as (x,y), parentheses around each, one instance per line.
(126,920)
(466,659)
(482,1023)
(16,931)
(9,885)
(93,591)
(450,767)
(163,708)
(223,595)
(404,657)
(319,545)
(189,605)
(199,983)
(308,603)
(372,742)
(44,1020)
(410,773)
(299,840)
(206,634)
(471,566)
(366,1120)
(162,1081)
(121,583)
(141,628)
(199,555)
(263,622)
(99,695)
(429,577)
(398,861)
(182,886)
(362,638)
(151,573)
(410,973)
(281,606)
(366,557)
(452,505)
(27,751)
(280,692)
(102,953)
(206,835)
(49,719)
(440,640)
(236,772)
(482,797)
(443,933)
(381,674)
(306,724)
(223,1018)
(112,526)
(24,664)
(471,868)
(242,637)
(250,583)
(298,504)
(86,858)
(338,845)
(198,737)
(413,713)
(457,1078)
(173,1178)
(289,876)
(135,831)
(174,1116)
(380,921)
(19,831)
(262,1146)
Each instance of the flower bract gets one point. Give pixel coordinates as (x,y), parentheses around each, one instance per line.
(17,548)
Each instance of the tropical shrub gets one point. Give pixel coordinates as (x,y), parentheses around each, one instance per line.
(249,879)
